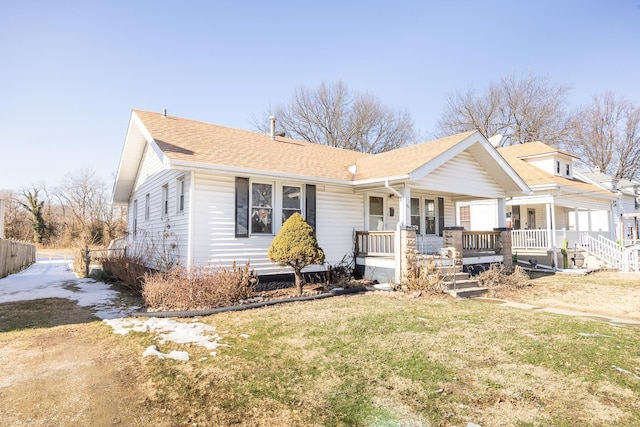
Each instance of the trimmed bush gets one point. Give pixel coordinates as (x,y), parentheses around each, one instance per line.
(296,246)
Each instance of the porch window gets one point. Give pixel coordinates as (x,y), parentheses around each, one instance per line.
(376,213)
(465,217)
(415,214)
(290,201)
(430,216)
(261,208)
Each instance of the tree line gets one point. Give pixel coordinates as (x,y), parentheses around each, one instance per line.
(76,213)
(604,133)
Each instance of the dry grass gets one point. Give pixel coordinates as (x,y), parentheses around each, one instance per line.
(605,293)
(374,360)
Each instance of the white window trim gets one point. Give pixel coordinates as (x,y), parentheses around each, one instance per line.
(147,206)
(164,208)
(280,200)
(368,210)
(180,194)
(134,226)
(423,212)
(275,216)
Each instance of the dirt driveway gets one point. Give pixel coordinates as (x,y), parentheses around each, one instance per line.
(60,366)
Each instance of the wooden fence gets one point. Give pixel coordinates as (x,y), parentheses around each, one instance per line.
(15,256)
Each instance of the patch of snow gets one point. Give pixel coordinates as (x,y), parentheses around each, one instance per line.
(56,279)
(244,336)
(173,354)
(170,330)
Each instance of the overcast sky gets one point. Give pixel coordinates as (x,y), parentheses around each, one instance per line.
(71,71)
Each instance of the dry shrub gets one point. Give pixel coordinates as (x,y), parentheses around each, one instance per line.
(502,281)
(197,288)
(424,279)
(128,271)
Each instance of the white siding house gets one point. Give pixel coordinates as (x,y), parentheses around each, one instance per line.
(211,195)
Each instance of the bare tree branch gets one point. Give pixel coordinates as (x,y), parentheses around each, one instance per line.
(332,115)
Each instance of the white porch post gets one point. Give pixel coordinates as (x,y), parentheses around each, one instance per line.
(502,213)
(551,208)
(577,214)
(404,218)
(590,227)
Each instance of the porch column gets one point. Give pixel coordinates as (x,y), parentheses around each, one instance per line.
(405,241)
(405,206)
(577,214)
(552,228)
(502,213)
(408,253)
(504,241)
(452,238)
(590,228)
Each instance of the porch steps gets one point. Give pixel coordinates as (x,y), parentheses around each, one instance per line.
(460,284)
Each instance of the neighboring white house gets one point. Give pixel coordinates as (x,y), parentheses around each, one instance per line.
(626,208)
(214,195)
(562,206)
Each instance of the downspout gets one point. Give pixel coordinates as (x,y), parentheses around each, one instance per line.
(402,213)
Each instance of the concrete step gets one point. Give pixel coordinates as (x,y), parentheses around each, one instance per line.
(467,292)
(462,284)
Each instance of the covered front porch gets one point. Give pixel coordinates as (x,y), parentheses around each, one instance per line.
(546,224)
(385,255)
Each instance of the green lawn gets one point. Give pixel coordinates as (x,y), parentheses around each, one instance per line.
(381,361)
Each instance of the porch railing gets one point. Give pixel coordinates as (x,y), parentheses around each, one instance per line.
(612,253)
(539,239)
(480,241)
(375,243)
(530,239)
(382,243)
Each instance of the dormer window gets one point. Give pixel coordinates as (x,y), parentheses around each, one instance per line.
(568,170)
(558,167)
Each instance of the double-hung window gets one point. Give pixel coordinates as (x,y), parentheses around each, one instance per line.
(134,227)
(164,209)
(261,208)
(290,201)
(430,216)
(255,211)
(415,214)
(147,208)
(180,186)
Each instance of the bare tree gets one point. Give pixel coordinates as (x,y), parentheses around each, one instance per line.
(84,199)
(522,110)
(17,219)
(606,134)
(332,115)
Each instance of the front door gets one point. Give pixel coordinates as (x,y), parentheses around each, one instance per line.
(531,219)
(376,213)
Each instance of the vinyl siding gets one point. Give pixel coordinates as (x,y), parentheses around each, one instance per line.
(462,175)
(156,237)
(339,213)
